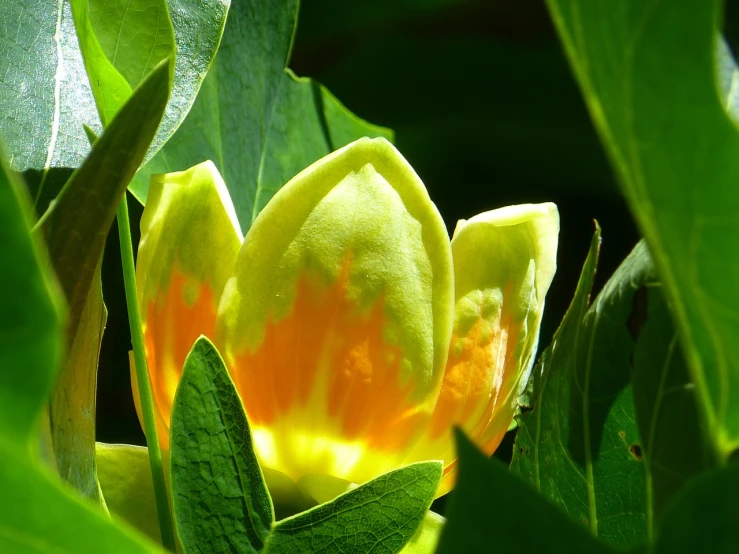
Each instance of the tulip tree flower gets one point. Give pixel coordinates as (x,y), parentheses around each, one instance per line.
(355,332)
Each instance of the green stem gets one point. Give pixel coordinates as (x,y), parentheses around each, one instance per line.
(142,376)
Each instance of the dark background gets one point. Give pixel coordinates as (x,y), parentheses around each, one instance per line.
(484,108)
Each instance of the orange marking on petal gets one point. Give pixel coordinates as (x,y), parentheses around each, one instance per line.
(478,376)
(329,355)
(173,324)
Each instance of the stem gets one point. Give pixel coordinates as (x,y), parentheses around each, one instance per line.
(142,375)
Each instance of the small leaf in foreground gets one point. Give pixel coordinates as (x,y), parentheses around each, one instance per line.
(491,510)
(220,499)
(381,515)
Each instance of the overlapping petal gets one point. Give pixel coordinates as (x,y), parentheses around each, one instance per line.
(504,262)
(336,324)
(189,241)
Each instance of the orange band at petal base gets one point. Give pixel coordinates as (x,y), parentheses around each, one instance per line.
(184,312)
(325,376)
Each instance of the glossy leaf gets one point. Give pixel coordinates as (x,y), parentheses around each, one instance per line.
(135,36)
(109,88)
(37,513)
(218,491)
(126,484)
(45,90)
(491,510)
(675,445)
(45,94)
(254,119)
(580,444)
(647,71)
(381,515)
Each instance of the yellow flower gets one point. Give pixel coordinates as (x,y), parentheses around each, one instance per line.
(356,333)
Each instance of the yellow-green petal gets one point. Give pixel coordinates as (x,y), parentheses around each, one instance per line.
(504,262)
(336,324)
(189,241)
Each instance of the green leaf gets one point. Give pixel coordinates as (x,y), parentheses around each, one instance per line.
(72,404)
(381,515)
(37,514)
(490,510)
(109,87)
(75,230)
(219,495)
(580,444)
(675,444)
(45,94)
(253,118)
(31,340)
(647,71)
(702,517)
(125,480)
(76,227)
(136,35)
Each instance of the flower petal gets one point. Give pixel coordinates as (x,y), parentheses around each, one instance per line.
(504,262)
(189,241)
(336,324)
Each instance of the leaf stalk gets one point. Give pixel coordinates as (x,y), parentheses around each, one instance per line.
(142,376)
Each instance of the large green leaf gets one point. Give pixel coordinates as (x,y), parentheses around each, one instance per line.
(220,499)
(648,74)
(579,445)
(131,37)
(109,88)
(45,92)
(254,119)
(674,441)
(490,510)
(36,513)
(75,230)
(381,515)
(135,35)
